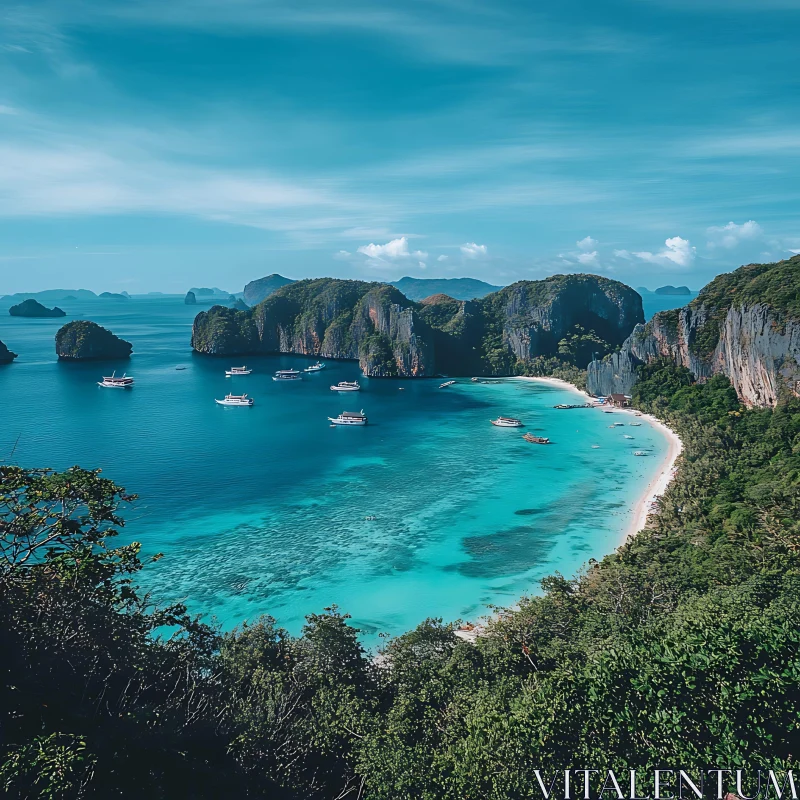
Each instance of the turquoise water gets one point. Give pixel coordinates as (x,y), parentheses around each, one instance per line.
(265,510)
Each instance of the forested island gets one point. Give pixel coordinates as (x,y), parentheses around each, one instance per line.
(33,308)
(83,340)
(681,648)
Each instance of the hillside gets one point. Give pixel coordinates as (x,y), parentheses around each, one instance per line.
(457,288)
(501,334)
(260,289)
(744,325)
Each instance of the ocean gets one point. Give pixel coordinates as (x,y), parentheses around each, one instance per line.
(429,511)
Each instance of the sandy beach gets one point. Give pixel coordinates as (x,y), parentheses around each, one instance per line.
(666,472)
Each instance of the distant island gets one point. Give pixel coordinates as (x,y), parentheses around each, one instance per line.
(190,299)
(212,292)
(83,340)
(32,308)
(53,295)
(114,296)
(260,289)
(6,356)
(457,288)
(674,290)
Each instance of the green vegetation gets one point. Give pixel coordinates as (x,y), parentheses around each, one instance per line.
(82,339)
(682,648)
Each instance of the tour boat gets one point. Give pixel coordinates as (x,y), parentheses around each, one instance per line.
(506,422)
(446,384)
(236,400)
(349,418)
(346,386)
(229,373)
(318,367)
(529,437)
(286,375)
(113,382)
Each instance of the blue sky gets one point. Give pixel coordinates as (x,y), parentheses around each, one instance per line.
(160,144)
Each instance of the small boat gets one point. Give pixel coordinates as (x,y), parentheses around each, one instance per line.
(640,453)
(635,424)
(401,388)
(446,384)
(506,422)
(236,400)
(349,418)
(318,367)
(627,437)
(612,426)
(180,368)
(113,382)
(619,424)
(529,437)
(595,447)
(286,375)
(475,380)
(346,386)
(229,373)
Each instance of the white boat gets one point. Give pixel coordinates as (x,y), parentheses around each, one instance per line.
(113,382)
(635,424)
(318,367)
(595,447)
(640,453)
(506,422)
(286,375)
(229,373)
(236,400)
(627,437)
(346,386)
(446,384)
(349,418)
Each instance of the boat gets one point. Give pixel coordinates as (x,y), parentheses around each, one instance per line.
(286,375)
(349,418)
(640,453)
(627,437)
(595,447)
(229,373)
(113,382)
(446,384)
(318,367)
(529,437)
(506,422)
(619,424)
(236,400)
(180,368)
(346,386)
(635,424)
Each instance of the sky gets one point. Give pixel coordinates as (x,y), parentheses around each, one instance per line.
(155,145)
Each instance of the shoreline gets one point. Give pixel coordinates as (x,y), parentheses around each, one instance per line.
(658,485)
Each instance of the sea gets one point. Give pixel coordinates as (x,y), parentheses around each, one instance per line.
(428,512)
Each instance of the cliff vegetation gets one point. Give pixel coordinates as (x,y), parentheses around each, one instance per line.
(85,340)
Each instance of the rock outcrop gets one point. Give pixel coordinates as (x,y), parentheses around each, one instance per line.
(6,356)
(673,290)
(259,290)
(457,288)
(745,325)
(392,336)
(114,296)
(190,299)
(33,308)
(82,340)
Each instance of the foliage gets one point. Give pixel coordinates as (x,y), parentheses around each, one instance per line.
(683,647)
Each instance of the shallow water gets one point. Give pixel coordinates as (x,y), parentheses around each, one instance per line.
(265,510)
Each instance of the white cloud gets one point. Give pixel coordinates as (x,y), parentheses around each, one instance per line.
(587,243)
(422,265)
(588,258)
(796,252)
(731,235)
(393,250)
(622,254)
(472,250)
(677,251)
(442,258)
(342,255)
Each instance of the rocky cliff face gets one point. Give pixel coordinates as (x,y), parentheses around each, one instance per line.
(392,336)
(6,356)
(83,340)
(746,328)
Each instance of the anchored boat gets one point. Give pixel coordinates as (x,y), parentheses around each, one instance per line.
(346,386)
(529,437)
(286,375)
(446,384)
(229,373)
(236,400)
(113,382)
(318,367)
(349,418)
(506,422)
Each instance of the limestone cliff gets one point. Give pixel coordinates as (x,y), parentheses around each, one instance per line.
(391,335)
(745,325)
(6,356)
(83,340)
